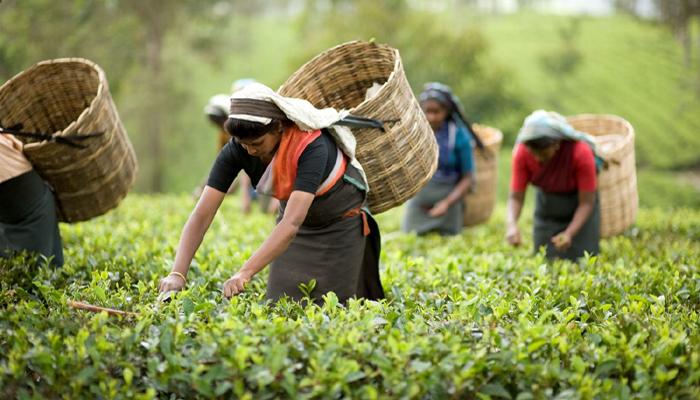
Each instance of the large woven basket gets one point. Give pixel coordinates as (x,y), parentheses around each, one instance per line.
(399,161)
(65,97)
(479,203)
(617,182)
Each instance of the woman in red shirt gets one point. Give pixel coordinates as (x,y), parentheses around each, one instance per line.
(561,163)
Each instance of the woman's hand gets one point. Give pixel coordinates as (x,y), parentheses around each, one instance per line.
(513,236)
(439,209)
(171,283)
(562,241)
(276,244)
(236,284)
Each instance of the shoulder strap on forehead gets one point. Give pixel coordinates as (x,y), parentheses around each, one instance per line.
(256,108)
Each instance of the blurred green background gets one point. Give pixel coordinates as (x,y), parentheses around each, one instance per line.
(164,59)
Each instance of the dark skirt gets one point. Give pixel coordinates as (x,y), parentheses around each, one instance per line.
(331,249)
(416,218)
(28,218)
(553,213)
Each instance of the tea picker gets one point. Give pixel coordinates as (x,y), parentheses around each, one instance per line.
(321,145)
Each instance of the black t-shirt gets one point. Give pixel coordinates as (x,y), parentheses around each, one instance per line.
(315,164)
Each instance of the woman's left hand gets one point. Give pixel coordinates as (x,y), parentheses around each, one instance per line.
(562,241)
(439,209)
(235,284)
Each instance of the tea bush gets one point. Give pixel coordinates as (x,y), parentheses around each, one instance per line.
(465,317)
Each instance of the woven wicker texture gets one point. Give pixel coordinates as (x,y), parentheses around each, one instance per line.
(66,97)
(617,183)
(398,162)
(480,202)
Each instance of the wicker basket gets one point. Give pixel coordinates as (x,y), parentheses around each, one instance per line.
(617,183)
(67,97)
(398,162)
(480,202)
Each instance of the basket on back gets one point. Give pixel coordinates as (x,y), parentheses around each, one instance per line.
(397,162)
(480,202)
(68,97)
(617,182)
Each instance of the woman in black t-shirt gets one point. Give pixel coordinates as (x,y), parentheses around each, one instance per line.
(323,234)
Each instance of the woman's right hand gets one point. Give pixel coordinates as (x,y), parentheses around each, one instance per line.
(513,236)
(171,283)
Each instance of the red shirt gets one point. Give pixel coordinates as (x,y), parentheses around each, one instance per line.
(571,169)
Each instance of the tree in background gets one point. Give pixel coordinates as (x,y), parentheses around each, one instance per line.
(433,46)
(679,15)
(129,39)
(31,31)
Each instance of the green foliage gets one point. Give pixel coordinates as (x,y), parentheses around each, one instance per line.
(563,61)
(465,317)
(630,68)
(664,189)
(627,67)
(432,48)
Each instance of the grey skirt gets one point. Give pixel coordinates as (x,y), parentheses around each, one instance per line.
(28,218)
(416,218)
(331,249)
(553,213)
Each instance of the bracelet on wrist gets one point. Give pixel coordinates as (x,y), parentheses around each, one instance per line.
(180,275)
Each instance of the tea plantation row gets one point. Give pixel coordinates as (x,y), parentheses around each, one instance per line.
(465,317)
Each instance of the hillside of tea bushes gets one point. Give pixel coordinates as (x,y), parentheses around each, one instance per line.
(465,317)
(628,67)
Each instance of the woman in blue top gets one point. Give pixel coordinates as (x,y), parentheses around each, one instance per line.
(438,207)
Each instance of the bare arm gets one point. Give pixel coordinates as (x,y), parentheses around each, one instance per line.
(278,241)
(192,234)
(516,200)
(515,207)
(586,202)
(459,190)
(197,225)
(455,195)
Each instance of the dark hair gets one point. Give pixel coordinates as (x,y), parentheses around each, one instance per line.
(246,130)
(541,143)
(219,120)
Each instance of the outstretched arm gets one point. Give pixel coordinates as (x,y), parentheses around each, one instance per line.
(455,195)
(515,207)
(278,241)
(586,202)
(192,234)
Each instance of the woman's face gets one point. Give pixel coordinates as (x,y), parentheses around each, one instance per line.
(546,154)
(435,112)
(263,147)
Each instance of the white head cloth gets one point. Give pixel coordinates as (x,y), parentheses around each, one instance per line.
(305,116)
(218,105)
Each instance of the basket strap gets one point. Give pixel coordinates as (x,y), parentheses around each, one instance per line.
(68,140)
(354,121)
